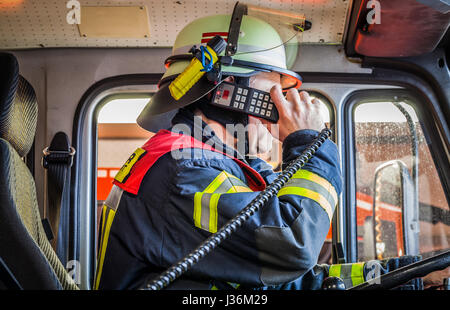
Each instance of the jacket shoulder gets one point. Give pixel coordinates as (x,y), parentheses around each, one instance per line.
(142,169)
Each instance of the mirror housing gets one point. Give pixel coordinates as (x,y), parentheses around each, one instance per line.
(393,184)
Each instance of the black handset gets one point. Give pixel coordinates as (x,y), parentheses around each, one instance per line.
(245,99)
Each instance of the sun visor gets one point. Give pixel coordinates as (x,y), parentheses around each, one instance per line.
(163,102)
(283,33)
(154,123)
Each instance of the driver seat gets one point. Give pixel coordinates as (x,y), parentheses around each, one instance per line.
(24,247)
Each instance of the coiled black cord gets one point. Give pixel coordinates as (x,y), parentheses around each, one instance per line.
(232,225)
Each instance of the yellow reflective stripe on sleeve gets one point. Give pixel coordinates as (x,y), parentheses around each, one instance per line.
(310,185)
(229,175)
(214,185)
(198,209)
(308,175)
(108,217)
(103,223)
(357,273)
(213,216)
(352,274)
(239,189)
(300,191)
(206,202)
(335,271)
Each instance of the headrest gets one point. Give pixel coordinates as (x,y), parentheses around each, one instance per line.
(18,106)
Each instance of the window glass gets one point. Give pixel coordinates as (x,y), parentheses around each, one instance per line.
(384,143)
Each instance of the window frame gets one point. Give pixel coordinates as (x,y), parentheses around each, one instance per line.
(432,135)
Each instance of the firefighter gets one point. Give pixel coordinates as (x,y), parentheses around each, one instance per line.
(189,180)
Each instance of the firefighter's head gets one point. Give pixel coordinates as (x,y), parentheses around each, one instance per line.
(260,48)
(259,140)
(257,55)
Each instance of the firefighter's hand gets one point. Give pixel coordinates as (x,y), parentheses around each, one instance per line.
(296,111)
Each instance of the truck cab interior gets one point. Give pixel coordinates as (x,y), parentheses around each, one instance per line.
(74,75)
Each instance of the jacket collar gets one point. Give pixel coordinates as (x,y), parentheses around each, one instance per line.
(200,130)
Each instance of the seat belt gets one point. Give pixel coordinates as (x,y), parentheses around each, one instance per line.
(57,160)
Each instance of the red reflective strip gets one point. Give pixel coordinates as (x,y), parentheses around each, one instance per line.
(212,34)
(207,40)
(206,36)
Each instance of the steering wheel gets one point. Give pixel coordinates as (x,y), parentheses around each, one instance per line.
(404,274)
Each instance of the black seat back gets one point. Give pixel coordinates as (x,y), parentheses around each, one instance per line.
(24,247)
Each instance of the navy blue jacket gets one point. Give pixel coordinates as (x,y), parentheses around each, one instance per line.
(180,202)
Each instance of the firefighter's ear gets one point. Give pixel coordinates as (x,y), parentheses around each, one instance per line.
(230,79)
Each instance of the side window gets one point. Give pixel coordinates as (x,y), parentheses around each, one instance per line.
(388,219)
(118,138)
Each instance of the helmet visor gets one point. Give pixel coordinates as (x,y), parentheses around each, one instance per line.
(289,26)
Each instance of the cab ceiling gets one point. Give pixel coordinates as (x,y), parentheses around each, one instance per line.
(26,24)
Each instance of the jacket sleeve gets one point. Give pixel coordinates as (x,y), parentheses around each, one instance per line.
(279,243)
(353,274)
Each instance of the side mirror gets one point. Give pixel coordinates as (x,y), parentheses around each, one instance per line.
(395,211)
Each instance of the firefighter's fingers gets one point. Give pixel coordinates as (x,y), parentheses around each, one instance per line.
(306,99)
(316,102)
(294,99)
(278,99)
